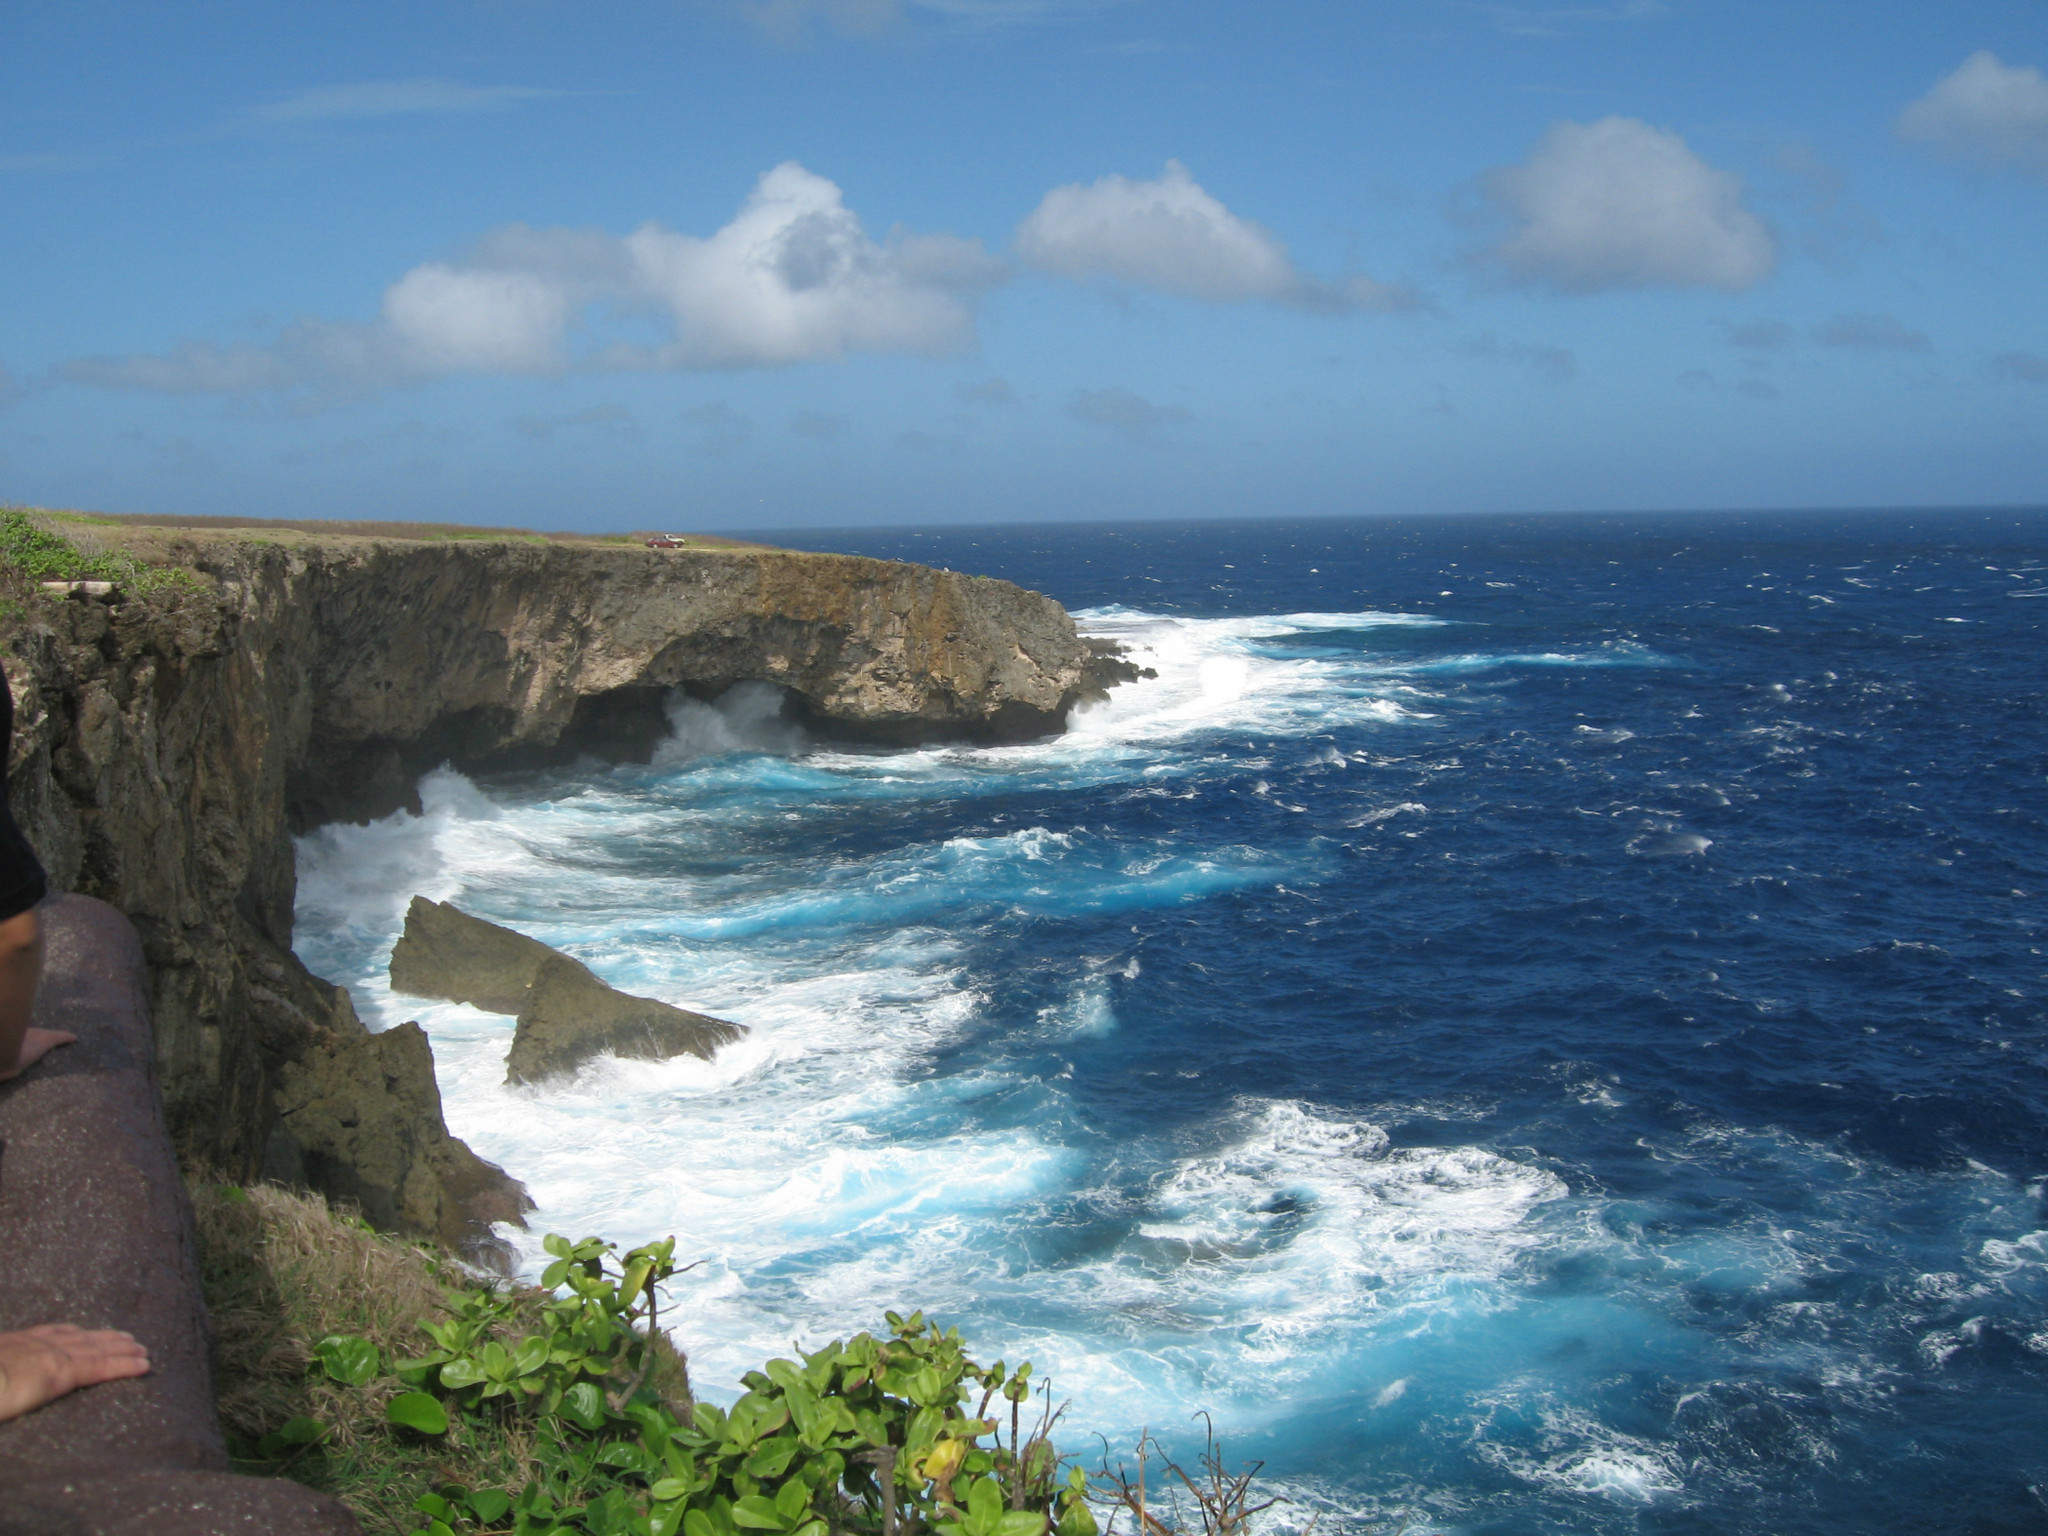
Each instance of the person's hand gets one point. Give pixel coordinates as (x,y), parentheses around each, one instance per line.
(35,1045)
(38,1365)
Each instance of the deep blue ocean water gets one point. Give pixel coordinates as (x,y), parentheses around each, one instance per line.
(1535,1023)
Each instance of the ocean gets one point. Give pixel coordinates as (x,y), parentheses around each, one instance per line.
(1534,1024)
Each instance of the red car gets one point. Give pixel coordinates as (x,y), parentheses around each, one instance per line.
(667,541)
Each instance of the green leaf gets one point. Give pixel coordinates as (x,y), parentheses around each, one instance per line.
(556,1245)
(416,1410)
(1077,1519)
(791,1500)
(300,1431)
(531,1355)
(1021,1522)
(984,1502)
(758,1514)
(460,1373)
(349,1360)
(489,1504)
(583,1406)
(433,1504)
(771,1457)
(697,1523)
(555,1273)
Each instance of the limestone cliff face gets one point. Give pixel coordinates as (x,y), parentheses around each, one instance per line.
(167,746)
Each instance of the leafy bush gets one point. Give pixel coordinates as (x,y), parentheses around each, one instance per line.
(868,1435)
(283,1274)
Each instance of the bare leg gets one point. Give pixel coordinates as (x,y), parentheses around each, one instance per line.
(38,1365)
(21,968)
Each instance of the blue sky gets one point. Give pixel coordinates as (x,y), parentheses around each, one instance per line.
(767,263)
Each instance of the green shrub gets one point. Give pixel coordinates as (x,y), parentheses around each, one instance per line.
(565,1411)
(868,1436)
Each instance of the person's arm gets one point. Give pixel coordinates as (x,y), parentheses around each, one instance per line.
(21,968)
(39,1365)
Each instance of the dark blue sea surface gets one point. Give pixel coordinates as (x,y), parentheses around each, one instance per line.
(1535,1023)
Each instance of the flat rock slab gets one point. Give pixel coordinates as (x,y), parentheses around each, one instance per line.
(95,1230)
(565,1014)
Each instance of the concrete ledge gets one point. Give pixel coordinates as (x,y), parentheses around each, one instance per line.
(95,1230)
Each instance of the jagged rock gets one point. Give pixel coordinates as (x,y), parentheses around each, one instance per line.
(565,1014)
(365,1114)
(446,953)
(572,1016)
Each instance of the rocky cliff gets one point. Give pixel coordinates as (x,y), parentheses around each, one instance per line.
(169,743)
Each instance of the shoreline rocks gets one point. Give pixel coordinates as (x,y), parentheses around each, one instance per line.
(565,1014)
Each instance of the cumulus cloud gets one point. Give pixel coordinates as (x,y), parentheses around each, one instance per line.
(1621,204)
(1875,333)
(1171,235)
(1986,112)
(793,277)
(1130,415)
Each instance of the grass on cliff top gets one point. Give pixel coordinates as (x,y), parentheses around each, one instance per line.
(281,1272)
(37,546)
(386,529)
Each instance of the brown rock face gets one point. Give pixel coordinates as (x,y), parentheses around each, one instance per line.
(365,1113)
(565,1014)
(168,744)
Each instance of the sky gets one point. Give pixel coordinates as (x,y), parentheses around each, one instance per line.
(757,264)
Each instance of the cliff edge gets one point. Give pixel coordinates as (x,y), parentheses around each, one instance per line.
(172,738)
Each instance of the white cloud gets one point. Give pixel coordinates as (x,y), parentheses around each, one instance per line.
(1620,204)
(792,277)
(393,98)
(1171,235)
(1986,112)
(468,320)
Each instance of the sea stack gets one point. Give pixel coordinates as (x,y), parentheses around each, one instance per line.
(565,1014)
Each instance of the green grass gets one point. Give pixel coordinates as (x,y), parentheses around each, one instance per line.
(37,551)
